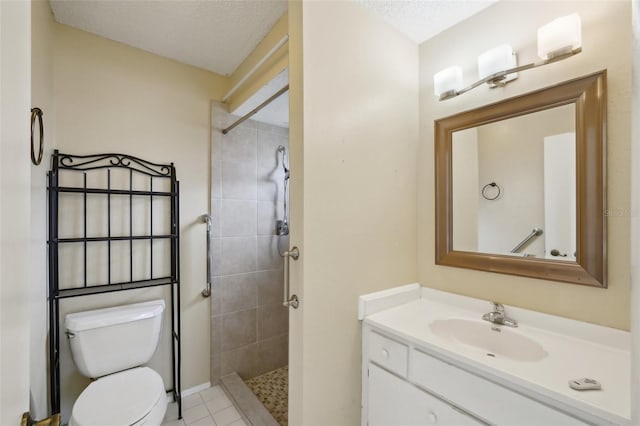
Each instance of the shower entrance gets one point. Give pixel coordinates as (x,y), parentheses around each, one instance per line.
(249,235)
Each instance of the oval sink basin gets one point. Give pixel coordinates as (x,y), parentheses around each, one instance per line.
(496,341)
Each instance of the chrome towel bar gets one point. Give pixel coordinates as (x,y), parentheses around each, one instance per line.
(206,218)
(292,301)
(534,233)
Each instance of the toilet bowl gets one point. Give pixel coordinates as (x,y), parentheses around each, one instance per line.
(131,397)
(111,345)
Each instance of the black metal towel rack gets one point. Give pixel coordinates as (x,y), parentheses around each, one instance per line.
(84,164)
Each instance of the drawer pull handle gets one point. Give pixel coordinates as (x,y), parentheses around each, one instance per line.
(432,418)
(385,354)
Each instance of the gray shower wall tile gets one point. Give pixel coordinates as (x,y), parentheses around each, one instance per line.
(216,297)
(216,334)
(216,217)
(267,253)
(270,186)
(242,360)
(240,145)
(238,218)
(249,330)
(216,368)
(239,292)
(216,146)
(272,353)
(268,214)
(268,156)
(273,320)
(239,180)
(238,255)
(270,286)
(216,180)
(238,329)
(216,253)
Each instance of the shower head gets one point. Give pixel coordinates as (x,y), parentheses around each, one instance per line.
(283,150)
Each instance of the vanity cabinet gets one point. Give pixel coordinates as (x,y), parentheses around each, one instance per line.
(393,401)
(404,385)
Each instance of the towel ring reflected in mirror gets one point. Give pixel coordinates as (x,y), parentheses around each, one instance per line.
(489,194)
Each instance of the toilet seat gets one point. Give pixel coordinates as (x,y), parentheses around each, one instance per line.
(130,397)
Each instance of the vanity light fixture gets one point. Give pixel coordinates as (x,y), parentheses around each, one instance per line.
(448,80)
(557,40)
(495,60)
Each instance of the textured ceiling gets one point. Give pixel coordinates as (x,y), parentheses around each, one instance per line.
(216,35)
(422,19)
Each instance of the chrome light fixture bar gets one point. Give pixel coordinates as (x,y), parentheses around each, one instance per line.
(499,79)
(557,40)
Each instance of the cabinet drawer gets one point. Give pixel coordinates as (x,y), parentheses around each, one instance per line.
(388,353)
(487,400)
(392,401)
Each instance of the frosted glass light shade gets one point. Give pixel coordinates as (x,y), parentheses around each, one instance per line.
(560,36)
(495,60)
(448,79)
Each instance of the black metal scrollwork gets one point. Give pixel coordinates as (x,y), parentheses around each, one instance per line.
(92,162)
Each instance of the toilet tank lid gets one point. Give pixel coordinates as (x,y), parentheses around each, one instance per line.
(97,318)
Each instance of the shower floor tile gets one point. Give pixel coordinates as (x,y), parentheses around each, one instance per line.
(272,389)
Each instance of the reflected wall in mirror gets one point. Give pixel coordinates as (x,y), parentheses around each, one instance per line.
(520,185)
(514,186)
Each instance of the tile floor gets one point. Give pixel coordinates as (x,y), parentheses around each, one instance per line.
(211,407)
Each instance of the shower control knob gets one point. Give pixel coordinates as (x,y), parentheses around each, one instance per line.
(294,253)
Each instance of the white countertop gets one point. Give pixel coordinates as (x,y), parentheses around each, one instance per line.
(575,350)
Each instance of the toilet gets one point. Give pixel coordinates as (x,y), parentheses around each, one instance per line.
(111,345)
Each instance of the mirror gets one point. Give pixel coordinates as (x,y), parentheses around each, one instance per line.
(512,177)
(520,185)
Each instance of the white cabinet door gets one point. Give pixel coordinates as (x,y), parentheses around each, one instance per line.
(483,398)
(394,402)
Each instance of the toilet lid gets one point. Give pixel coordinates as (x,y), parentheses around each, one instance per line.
(119,399)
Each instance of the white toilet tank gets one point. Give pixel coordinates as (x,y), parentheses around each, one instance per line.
(104,341)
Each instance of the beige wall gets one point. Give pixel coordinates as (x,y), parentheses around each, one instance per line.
(605,24)
(15,85)
(297,393)
(635,222)
(113,98)
(42,51)
(359,209)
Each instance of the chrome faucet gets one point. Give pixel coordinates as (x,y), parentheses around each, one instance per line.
(497,316)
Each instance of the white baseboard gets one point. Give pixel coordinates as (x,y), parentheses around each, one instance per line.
(196,389)
(191,391)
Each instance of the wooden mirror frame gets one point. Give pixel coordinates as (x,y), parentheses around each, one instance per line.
(588,94)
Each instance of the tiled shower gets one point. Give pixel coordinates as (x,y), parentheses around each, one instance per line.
(249,325)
